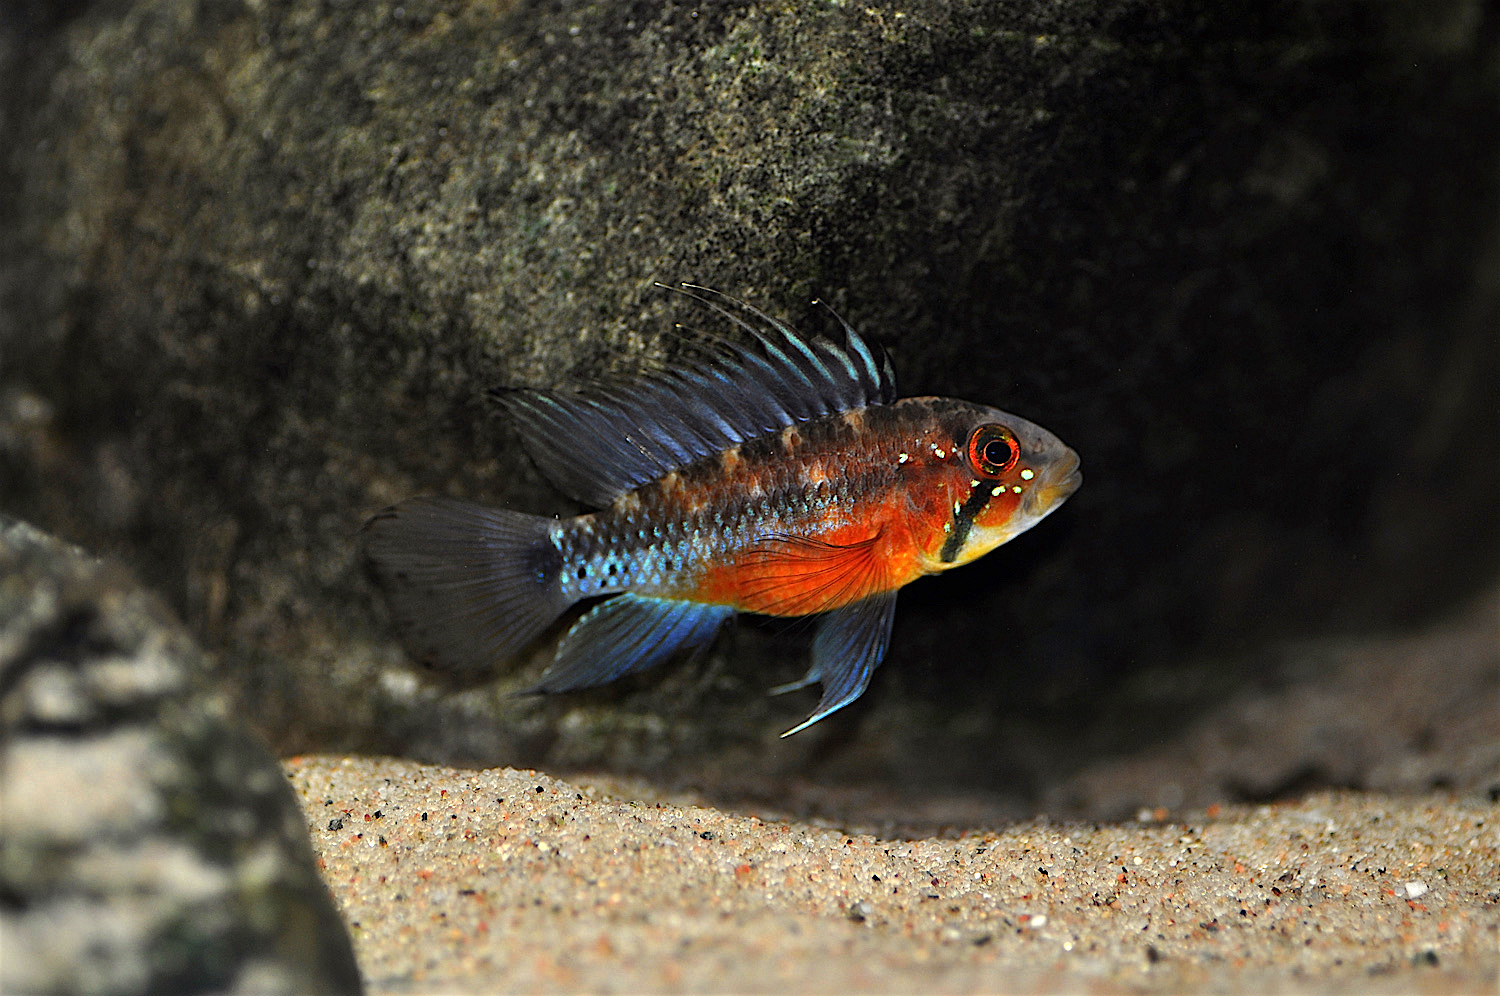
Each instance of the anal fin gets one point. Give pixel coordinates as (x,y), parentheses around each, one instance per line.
(625,634)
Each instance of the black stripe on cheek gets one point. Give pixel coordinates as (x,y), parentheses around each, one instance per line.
(963,521)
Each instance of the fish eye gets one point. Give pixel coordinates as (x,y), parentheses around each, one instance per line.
(993,450)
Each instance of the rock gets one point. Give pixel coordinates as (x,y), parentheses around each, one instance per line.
(150,843)
(1395,715)
(268,257)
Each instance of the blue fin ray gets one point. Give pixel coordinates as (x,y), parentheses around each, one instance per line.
(876,381)
(625,634)
(553,426)
(599,442)
(849,646)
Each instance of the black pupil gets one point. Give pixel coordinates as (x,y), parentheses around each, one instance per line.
(997,452)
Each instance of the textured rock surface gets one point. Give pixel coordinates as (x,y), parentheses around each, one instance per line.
(266,256)
(1402,714)
(147,842)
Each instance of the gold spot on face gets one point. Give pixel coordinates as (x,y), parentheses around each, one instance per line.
(1027,474)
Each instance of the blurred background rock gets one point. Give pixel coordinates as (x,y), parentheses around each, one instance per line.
(148,842)
(260,262)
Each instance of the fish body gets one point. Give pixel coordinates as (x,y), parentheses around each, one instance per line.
(782,477)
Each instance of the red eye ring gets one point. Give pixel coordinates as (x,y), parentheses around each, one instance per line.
(993,450)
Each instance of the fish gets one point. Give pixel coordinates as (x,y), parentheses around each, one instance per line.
(773,473)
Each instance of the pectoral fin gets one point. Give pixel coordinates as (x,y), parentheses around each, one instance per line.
(798,576)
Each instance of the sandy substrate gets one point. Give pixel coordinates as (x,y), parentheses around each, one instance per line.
(468,881)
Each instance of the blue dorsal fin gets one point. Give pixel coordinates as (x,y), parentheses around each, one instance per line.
(874,366)
(599,442)
(847,375)
(568,437)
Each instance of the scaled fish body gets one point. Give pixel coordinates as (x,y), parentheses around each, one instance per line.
(780,477)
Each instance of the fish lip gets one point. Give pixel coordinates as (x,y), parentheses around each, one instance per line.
(1063,478)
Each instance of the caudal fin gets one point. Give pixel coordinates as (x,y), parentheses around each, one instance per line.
(468,586)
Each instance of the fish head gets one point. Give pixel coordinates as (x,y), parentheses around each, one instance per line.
(1015,472)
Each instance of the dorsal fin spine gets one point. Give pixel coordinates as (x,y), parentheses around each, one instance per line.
(732,428)
(794,404)
(858,344)
(605,439)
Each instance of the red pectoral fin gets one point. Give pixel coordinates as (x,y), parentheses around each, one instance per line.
(794,576)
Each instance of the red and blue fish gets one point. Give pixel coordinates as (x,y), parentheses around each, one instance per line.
(778,475)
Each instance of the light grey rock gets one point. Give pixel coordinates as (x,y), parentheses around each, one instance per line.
(148,843)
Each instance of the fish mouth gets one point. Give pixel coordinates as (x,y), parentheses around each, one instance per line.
(1063,478)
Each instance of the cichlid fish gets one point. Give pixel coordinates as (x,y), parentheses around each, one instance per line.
(781,476)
